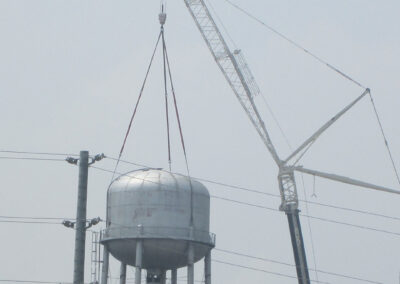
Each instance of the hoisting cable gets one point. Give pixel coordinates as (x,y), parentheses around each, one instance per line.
(180,129)
(310,230)
(162,18)
(384,138)
(136,106)
(295,44)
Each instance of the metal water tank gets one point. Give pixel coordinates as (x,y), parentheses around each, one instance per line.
(155,207)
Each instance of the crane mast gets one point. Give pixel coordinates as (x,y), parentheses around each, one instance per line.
(238,75)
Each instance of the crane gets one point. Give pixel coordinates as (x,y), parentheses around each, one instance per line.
(237,73)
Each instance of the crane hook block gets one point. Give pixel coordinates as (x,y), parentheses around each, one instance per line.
(163,18)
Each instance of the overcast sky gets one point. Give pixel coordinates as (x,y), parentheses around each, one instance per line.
(71,71)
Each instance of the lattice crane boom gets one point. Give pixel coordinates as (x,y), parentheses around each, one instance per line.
(234,68)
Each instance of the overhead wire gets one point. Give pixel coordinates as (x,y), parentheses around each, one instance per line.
(275,31)
(35,218)
(262,270)
(34,281)
(40,218)
(272,209)
(37,153)
(232,252)
(31,159)
(245,189)
(30,222)
(293,265)
(353,225)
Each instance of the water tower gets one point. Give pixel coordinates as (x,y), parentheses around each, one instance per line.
(158,221)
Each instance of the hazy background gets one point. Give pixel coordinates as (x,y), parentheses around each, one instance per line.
(70,73)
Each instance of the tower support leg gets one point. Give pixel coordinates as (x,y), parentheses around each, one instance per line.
(207,268)
(139,255)
(164,277)
(190,272)
(104,268)
(122,274)
(174,276)
(298,247)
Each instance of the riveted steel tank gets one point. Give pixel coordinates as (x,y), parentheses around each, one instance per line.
(154,206)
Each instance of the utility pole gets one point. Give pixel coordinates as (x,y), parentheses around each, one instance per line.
(80,233)
(81,222)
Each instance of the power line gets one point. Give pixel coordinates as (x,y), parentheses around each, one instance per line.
(32,159)
(245,203)
(295,44)
(353,210)
(293,265)
(309,216)
(352,225)
(262,259)
(274,195)
(35,218)
(273,209)
(34,281)
(30,222)
(262,270)
(40,218)
(37,153)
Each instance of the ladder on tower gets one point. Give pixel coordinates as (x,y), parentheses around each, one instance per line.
(95,257)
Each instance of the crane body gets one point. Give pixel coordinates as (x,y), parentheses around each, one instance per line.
(234,68)
(239,77)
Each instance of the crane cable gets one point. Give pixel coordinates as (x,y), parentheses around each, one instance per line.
(136,106)
(166,93)
(297,45)
(384,138)
(165,52)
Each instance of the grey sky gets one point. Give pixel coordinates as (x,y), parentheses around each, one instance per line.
(70,74)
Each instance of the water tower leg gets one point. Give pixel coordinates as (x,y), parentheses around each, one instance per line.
(139,255)
(163,277)
(207,268)
(104,269)
(174,276)
(122,275)
(190,273)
